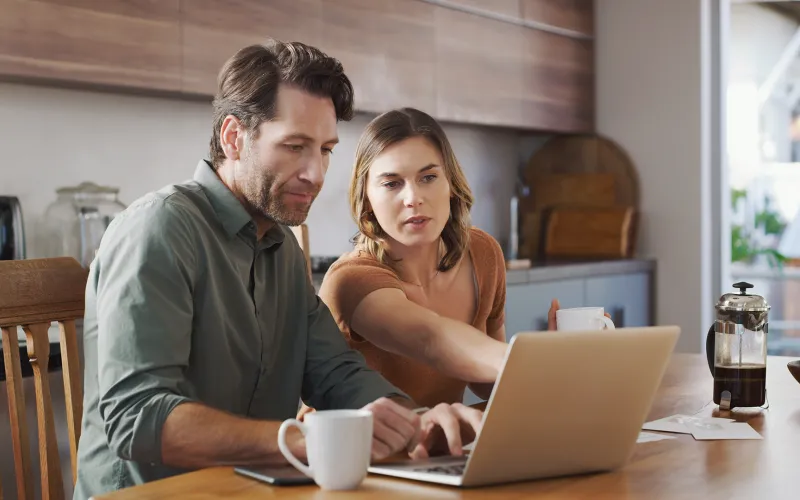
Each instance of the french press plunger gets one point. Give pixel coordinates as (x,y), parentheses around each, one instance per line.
(736,347)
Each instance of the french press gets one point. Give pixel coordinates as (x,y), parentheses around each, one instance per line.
(736,347)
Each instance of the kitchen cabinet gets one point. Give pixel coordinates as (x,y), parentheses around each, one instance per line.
(478,70)
(510,8)
(574,15)
(386,49)
(133,44)
(482,66)
(214,30)
(557,82)
(625,297)
(527,304)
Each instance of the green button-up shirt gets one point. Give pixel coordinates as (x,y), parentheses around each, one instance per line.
(184,303)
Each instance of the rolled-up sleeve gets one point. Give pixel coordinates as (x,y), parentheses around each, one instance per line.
(144,302)
(337,376)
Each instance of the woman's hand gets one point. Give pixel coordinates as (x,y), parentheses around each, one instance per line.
(551,315)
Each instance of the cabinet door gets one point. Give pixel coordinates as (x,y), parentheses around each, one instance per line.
(557,83)
(527,304)
(478,69)
(386,48)
(625,297)
(575,15)
(213,31)
(132,44)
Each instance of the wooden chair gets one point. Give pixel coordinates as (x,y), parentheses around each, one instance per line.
(301,233)
(34,293)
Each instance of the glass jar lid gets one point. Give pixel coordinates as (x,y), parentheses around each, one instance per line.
(87,188)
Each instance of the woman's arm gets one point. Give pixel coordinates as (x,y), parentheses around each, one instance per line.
(393,323)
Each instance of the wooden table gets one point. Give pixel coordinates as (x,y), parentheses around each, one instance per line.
(675,468)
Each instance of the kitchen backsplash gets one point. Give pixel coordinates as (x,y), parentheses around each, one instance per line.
(59,137)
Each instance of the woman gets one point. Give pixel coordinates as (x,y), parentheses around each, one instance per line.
(422,295)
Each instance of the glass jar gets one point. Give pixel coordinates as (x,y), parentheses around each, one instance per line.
(77,219)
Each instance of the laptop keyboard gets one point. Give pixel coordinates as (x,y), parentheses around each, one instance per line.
(450,470)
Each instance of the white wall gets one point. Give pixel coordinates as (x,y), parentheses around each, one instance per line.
(650,77)
(56,137)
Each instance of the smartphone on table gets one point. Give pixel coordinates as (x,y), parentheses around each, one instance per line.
(278,475)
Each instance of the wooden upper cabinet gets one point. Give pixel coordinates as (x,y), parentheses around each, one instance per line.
(479,69)
(214,30)
(387,50)
(575,15)
(132,44)
(558,83)
(509,8)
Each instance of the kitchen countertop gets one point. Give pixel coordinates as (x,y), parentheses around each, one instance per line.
(569,270)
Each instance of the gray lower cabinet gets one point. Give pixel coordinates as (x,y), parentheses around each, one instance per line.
(626,297)
(527,304)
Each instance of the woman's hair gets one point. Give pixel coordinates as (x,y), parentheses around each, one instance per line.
(384,131)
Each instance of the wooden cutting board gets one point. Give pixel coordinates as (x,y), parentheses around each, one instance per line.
(576,170)
(590,233)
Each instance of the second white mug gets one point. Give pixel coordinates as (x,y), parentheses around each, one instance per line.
(338,445)
(583,318)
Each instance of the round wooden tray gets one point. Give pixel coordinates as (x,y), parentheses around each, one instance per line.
(585,154)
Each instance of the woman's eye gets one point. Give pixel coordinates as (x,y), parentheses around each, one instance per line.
(390,184)
(295,147)
(327,151)
(429,178)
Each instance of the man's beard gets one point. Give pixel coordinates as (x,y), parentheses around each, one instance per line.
(265,197)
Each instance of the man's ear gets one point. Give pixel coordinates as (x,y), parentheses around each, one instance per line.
(231,137)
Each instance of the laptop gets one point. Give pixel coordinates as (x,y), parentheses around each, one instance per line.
(565,403)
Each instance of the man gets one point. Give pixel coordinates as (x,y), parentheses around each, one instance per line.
(202,329)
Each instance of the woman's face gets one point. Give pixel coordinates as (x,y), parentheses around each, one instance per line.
(409,193)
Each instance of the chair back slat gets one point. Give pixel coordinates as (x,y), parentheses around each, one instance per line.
(33,294)
(49,463)
(73,389)
(20,442)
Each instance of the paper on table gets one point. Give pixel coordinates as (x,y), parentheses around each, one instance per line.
(725,430)
(679,423)
(647,437)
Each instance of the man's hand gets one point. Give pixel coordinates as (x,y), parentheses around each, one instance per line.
(394,428)
(446,428)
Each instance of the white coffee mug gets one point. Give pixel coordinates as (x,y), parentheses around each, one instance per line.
(338,446)
(583,318)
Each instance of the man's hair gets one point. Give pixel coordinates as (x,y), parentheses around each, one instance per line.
(247,86)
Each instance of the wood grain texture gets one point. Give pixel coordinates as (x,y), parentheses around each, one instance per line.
(20,439)
(49,461)
(575,15)
(36,290)
(35,293)
(214,30)
(594,233)
(676,468)
(132,44)
(511,8)
(73,389)
(557,82)
(386,48)
(479,69)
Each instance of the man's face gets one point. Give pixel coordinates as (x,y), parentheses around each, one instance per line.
(283,164)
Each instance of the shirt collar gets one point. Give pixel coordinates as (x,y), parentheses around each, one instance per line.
(230,212)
